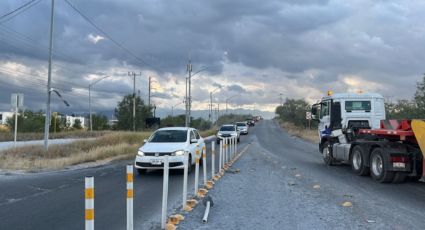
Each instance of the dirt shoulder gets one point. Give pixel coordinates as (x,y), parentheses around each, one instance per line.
(267,194)
(306,134)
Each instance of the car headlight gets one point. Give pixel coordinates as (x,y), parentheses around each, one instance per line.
(178,153)
(234,134)
(140,153)
(219,134)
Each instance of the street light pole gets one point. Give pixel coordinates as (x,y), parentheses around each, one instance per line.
(188,91)
(134,97)
(211,93)
(227,100)
(90,112)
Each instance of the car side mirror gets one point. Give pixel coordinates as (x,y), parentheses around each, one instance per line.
(193,141)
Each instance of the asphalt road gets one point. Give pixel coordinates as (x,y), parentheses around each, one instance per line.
(289,166)
(55,200)
(275,190)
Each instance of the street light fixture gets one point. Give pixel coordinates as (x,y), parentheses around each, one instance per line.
(90,86)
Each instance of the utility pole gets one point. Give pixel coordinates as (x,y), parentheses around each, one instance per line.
(188,94)
(49,81)
(90,116)
(134,97)
(211,106)
(149,94)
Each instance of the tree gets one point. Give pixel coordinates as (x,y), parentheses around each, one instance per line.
(293,111)
(77,124)
(100,122)
(420,98)
(28,121)
(124,113)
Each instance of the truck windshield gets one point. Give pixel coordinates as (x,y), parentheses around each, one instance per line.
(357,105)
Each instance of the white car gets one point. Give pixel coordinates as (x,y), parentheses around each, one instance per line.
(226,131)
(242,127)
(174,142)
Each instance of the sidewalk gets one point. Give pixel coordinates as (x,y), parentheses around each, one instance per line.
(266,194)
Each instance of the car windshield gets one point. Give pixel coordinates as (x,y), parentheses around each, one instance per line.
(227,128)
(240,124)
(169,136)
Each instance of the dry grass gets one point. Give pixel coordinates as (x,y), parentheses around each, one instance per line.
(116,145)
(208,133)
(309,135)
(4,129)
(8,136)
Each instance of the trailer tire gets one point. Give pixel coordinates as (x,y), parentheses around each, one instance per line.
(358,162)
(327,154)
(400,177)
(378,167)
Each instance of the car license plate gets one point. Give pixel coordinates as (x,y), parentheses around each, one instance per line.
(156,161)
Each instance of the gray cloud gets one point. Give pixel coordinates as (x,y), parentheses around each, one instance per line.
(300,48)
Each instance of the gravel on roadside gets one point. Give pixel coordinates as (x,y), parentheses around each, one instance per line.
(266,194)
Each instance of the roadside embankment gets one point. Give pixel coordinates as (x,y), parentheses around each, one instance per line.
(116,145)
(307,134)
(107,146)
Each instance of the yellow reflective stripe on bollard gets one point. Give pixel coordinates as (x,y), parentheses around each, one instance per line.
(89,214)
(130,193)
(197,160)
(89,193)
(129,177)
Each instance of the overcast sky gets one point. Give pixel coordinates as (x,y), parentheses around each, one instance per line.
(253,49)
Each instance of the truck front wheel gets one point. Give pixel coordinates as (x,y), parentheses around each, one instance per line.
(357,162)
(379,168)
(327,154)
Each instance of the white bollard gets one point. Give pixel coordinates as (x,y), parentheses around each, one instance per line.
(165,193)
(231,149)
(227,150)
(236,149)
(204,164)
(212,159)
(89,202)
(186,165)
(130,195)
(196,171)
(220,156)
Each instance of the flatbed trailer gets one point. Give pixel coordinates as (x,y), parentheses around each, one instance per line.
(391,153)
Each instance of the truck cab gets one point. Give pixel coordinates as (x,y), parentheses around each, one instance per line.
(347,113)
(352,130)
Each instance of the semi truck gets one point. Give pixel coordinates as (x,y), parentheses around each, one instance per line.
(353,130)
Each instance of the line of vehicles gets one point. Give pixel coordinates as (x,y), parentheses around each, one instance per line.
(175,141)
(353,130)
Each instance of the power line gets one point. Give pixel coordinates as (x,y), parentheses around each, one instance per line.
(108,36)
(22,7)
